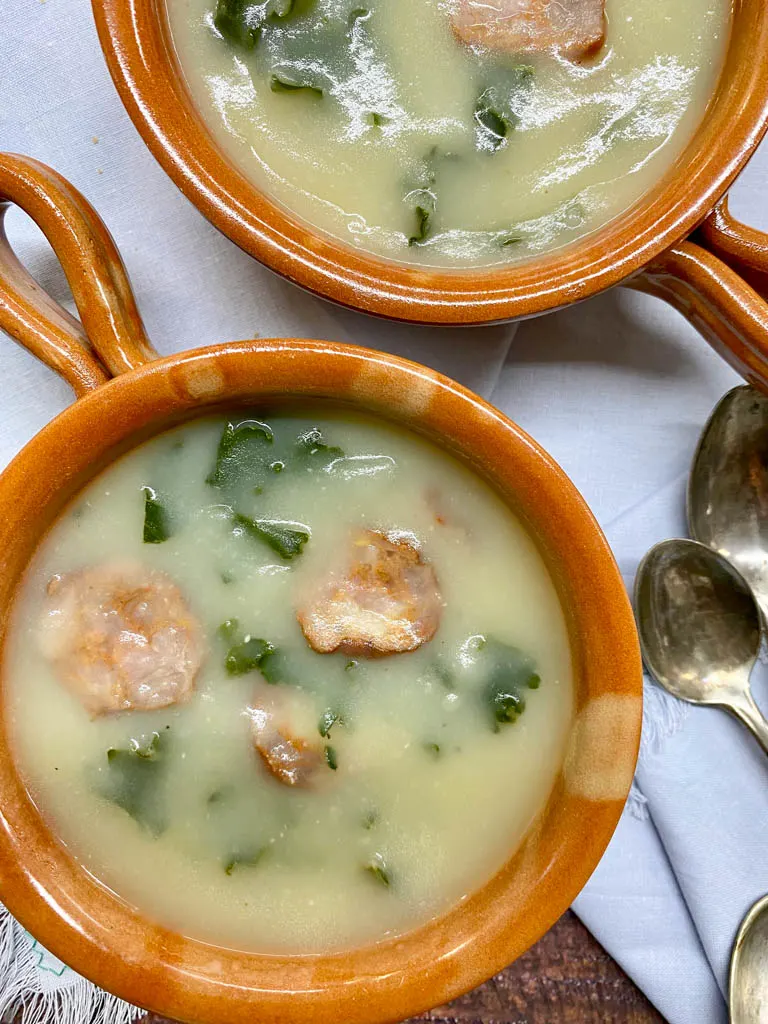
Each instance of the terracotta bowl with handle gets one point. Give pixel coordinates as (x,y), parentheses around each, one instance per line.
(125,394)
(717,276)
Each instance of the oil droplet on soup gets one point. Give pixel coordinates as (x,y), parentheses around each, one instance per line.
(452,132)
(289,682)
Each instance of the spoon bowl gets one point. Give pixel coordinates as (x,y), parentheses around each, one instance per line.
(728,487)
(748,982)
(700,628)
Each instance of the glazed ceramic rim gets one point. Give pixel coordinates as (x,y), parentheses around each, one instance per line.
(98,935)
(136,41)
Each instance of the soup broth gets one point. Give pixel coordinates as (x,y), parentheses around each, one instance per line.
(379,124)
(264,758)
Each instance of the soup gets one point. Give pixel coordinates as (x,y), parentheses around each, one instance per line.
(452,132)
(289,682)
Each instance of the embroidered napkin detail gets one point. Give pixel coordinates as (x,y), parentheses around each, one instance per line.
(37,988)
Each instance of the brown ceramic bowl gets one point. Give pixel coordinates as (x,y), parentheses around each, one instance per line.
(710,278)
(42,885)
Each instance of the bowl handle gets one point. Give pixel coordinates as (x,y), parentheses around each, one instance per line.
(743,248)
(718,279)
(109,319)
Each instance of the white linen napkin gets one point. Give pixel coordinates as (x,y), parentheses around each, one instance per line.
(617,389)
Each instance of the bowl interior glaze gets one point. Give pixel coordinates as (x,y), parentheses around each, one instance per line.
(119,948)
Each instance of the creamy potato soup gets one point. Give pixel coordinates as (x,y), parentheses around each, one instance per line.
(452,132)
(289,682)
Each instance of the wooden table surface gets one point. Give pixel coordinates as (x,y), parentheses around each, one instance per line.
(567,978)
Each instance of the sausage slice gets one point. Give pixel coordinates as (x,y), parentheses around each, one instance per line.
(288,756)
(575,28)
(384,601)
(121,637)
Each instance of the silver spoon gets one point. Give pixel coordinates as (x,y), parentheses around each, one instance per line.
(700,629)
(728,487)
(748,982)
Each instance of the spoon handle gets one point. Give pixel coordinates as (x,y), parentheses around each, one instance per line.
(750,714)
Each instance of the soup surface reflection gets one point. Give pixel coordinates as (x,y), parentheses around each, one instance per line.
(451,132)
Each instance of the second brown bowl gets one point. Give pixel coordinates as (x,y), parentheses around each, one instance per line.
(718,278)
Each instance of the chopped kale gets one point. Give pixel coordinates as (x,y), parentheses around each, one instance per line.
(506,703)
(243,22)
(246,656)
(356,16)
(331,759)
(499,106)
(244,859)
(311,446)
(423,197)
(278,84)
(507,671)
(328,719)
(281,537)
(275,667)
(491,128)
(250,654)
(229,629)
(242,453)
(423,218)
(239,22)
(377,868)
(135,778)
(157,522)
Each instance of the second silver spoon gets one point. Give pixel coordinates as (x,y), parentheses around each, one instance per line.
(728,486)
(699,629)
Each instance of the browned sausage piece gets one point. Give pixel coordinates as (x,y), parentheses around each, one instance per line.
(121,637)
(286,755)
(385,601)
(575,28)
